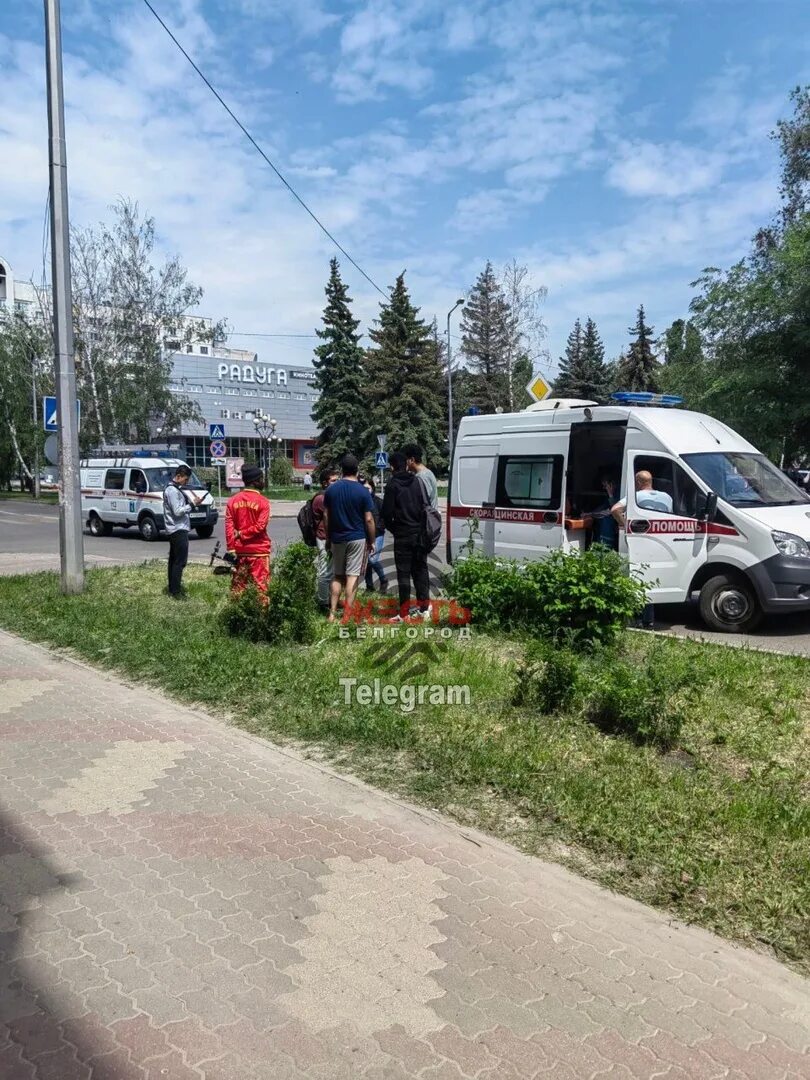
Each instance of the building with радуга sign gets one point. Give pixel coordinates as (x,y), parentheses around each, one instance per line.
(233,386)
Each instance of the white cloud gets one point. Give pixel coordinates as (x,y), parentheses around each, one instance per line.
(666,170)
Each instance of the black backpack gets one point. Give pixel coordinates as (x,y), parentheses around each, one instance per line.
(306,523)
(431,522)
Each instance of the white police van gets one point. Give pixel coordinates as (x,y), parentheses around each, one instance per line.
(737,538)
(127,492)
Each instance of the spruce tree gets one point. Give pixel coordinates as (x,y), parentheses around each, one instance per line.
(340,411)
(403,379)
(487,332)
(639,369)
(573,375)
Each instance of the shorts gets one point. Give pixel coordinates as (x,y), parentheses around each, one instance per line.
(349,559)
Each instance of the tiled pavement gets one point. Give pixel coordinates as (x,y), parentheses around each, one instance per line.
(179,900)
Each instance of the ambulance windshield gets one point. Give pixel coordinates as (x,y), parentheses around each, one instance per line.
(746,479)
(159,478)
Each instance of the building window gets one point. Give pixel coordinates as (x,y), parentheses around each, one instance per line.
(300,397)
(268,394)
(189,348)
(231,391)
(249,393)
(194,388)
(212,389)
(204,350)
(283,393)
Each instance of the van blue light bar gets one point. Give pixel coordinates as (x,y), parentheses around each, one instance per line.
(645,397)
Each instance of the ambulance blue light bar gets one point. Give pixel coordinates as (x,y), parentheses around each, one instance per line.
(646,397)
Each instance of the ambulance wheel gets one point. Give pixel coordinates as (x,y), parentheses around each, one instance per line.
(205,532)
(98,527)
(728,604)
(148,529)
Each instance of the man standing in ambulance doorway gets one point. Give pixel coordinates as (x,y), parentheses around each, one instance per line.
(247,515)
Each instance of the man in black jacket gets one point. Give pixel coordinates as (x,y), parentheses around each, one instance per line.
(403,512)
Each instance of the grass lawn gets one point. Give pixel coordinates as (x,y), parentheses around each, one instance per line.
(717,832)
(45,496)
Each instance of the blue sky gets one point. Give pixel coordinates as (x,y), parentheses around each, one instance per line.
(615,148)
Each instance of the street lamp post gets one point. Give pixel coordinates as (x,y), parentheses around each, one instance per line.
(266,430)
(457,304)
(167,433)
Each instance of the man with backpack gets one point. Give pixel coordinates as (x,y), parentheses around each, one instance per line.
(313,529)
(405,505)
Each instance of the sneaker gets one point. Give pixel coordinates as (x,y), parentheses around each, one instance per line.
(383,587)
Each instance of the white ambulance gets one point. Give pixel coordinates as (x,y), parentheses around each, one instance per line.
(127,492)
(737,538)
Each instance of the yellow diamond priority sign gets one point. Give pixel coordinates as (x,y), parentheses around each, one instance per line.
(538,388)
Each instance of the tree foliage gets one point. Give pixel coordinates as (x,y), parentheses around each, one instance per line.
(583,372)
(754,318)
(340,412)
(639,368)
(489,333)
(26,373)
(403,380)
(127,308)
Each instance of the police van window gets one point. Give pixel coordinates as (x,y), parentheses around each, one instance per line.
(114,480)
(670,478)
(530,481)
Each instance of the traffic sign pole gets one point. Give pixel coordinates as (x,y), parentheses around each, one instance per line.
(71,539)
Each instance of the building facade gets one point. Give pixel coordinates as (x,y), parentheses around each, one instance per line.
(232,387)
(19,297)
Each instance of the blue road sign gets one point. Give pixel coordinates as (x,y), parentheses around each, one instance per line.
(216,431)
(217,448)
(50,418)
(381,460)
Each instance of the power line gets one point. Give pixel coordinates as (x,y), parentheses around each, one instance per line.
(280,175)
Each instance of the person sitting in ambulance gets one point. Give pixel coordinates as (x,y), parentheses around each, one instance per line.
(601,519)
(647,498)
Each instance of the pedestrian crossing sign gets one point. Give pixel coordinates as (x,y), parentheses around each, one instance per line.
(381,460)
(216,431)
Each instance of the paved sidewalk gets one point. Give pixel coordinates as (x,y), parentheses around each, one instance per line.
(179,900)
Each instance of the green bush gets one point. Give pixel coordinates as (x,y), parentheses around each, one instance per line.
(548,677)
(290,614)
(584,598)
(281,471)
(643,703)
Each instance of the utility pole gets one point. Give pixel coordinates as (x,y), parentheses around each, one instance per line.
(457,304)
(71,540)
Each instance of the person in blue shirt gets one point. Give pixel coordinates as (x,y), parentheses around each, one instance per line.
(348,514)
(601,520)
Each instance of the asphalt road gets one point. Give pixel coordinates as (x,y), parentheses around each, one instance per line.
(29,541)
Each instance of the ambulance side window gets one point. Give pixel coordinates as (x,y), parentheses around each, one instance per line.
(114,480)
(531,481)
(137,481)
(668,476)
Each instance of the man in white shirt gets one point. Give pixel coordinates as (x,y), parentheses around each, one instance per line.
(177,506)
(647,498)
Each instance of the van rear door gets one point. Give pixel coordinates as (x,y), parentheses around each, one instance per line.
(471,522)
(666,547)
(529,501)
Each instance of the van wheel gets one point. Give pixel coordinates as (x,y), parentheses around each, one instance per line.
(148,529)
(98,527)
(728,604)
(205,532)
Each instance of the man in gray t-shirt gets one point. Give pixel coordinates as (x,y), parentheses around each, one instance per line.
(413,456)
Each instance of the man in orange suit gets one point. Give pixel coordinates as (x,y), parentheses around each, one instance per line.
(247,514)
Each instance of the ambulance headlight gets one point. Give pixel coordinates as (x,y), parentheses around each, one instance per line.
(788,544)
